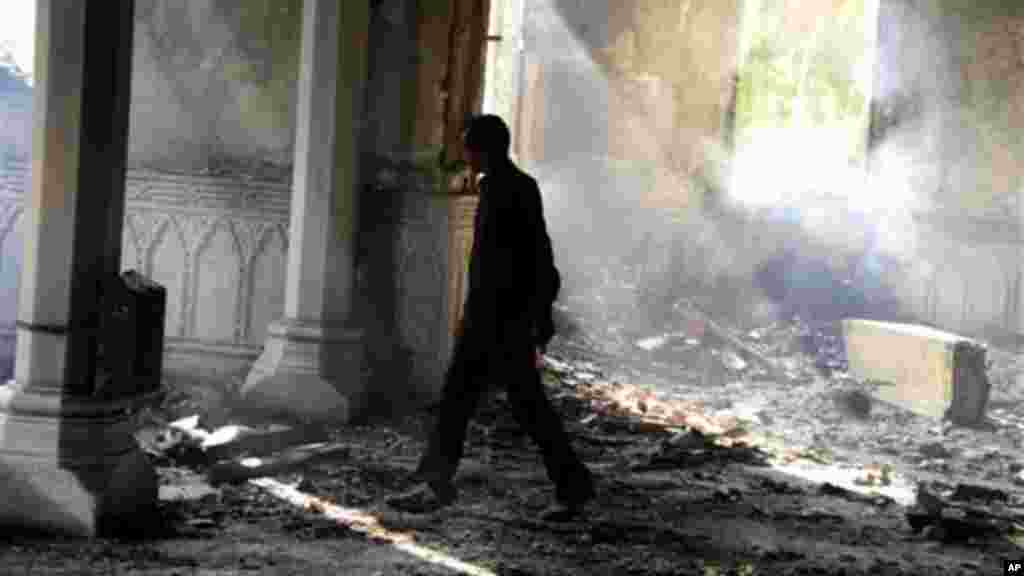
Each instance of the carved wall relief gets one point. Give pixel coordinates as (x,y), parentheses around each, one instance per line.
(218,246)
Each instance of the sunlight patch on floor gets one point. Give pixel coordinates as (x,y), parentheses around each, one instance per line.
(734,430)
(368,524)
(847,477)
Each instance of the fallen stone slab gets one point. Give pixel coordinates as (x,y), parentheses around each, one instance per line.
(936,451)
(239,470)
(880,500)
(967,511)
(921,369)
(191,488)
(235,440)
(975,492)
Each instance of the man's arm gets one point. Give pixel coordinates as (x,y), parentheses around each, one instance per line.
(543,286)
(484,297)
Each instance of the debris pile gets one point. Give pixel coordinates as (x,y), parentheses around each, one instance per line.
(793,352)
(234,452)
(672,467)
(785,388)
(965,512)
(1006,375)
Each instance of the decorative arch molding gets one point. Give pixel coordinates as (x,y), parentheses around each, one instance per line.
(216,283)
(264,293)
(273,230)
(11,249)
(10,211)
(171,270)
(208,228)
(130,246)
(176,217)
(231,218)
(148,227)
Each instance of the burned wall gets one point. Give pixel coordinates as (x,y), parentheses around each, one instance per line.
(425,74)
(213,86)
(647,84)
(944,124)
(664,71)
(213,89)
(623,108)
(948,80)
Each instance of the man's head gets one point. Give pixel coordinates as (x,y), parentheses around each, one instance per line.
(486,142)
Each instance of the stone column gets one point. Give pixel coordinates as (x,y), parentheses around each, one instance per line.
(311,366)
(68,460)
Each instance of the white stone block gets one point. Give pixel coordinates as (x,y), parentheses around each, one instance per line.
(927,371)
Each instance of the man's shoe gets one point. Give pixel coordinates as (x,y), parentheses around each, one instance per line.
(569,510)
(423,499)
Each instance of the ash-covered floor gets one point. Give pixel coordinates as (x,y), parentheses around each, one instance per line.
(731,474)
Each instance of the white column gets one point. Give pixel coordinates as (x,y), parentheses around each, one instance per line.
(68,460)
(311,366)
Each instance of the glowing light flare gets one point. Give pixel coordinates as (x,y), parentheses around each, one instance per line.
(806,172)
(787,166)
(365,523)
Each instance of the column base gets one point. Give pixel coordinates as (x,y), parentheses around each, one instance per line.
(308,372)
(73,470)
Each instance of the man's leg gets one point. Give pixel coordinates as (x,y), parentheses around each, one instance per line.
(446,441)
(459,397)
(574,484)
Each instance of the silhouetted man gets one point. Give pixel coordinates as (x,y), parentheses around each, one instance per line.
(506,323)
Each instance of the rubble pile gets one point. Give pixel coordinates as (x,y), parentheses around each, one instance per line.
(689,433)
(1006,376)
(965,512)
(795,351)
(785,388)
(675,465)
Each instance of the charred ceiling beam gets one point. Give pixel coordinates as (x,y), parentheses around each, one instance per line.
(464,78)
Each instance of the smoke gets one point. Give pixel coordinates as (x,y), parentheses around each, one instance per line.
(856,208)
(812,215)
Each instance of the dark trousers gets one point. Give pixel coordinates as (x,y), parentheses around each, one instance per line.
(512,366)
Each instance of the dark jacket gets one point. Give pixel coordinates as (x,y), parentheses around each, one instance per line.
(513,281)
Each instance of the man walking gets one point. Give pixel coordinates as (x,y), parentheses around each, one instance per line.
(506,323)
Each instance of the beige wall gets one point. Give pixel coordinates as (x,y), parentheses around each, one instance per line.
(646,82)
